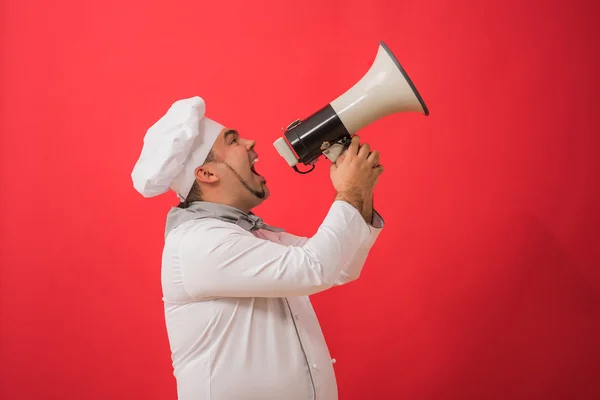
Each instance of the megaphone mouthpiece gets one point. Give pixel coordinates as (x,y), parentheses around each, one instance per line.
(385,89)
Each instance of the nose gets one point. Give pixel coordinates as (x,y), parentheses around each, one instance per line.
(250,144)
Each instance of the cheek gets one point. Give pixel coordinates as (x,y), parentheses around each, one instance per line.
(243,165)
(239,161)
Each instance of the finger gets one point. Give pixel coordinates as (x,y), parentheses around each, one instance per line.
(379,169)
(364,151)
(373,158)
(341,158)
(354,145)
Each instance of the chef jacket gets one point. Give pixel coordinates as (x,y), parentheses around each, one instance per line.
(236,293)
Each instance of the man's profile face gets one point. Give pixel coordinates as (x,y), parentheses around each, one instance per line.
(235,166)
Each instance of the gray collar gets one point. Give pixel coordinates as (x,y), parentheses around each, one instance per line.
(203,209)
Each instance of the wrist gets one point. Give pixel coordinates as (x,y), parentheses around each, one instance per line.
(354,199)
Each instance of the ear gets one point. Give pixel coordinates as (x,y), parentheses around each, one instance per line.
(206,174)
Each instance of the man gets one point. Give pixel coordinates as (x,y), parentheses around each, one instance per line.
(236,290)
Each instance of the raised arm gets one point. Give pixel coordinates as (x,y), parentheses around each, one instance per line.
(352,269)
(220,259)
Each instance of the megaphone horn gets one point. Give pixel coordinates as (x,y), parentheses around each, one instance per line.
(385,89)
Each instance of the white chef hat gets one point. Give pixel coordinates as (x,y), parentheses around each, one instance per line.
(174,147)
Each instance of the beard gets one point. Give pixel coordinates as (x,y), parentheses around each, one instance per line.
(261,194)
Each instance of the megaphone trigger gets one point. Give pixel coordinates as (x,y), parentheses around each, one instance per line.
(335,150)
(384,90)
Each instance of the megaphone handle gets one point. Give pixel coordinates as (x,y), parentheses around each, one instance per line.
(336,149)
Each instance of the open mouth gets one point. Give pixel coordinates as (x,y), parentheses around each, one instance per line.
(252,166)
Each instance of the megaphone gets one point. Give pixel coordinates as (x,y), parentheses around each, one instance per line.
(385,89)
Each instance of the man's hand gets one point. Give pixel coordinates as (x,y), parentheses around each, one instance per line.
(354,176)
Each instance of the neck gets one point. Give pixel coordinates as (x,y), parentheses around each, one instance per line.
(228,201)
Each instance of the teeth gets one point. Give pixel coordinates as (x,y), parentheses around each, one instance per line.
(255,161)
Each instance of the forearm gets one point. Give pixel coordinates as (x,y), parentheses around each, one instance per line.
(367,208)
(362,202)
(354,199)
(353,268)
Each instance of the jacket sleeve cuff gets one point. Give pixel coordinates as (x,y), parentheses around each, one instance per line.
(377,221)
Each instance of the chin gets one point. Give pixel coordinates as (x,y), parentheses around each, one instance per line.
(267,192)
(264,192)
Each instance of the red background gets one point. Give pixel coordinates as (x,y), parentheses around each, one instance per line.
(485,283)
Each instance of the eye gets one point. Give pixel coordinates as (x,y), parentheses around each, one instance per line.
(231,137)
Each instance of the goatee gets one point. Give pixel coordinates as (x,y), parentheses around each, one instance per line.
(261,194)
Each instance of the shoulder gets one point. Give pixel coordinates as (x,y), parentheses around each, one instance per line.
(202,235)
(205,228)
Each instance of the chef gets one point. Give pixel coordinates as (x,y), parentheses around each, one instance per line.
(236,290)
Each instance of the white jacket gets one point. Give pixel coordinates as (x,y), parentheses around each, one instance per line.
(238,316)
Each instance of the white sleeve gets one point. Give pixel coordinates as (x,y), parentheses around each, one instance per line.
(223,260)
(353,267)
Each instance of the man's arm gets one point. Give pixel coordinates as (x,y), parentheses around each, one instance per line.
(351,271)
(223,260)
(353,267)
(367,209)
